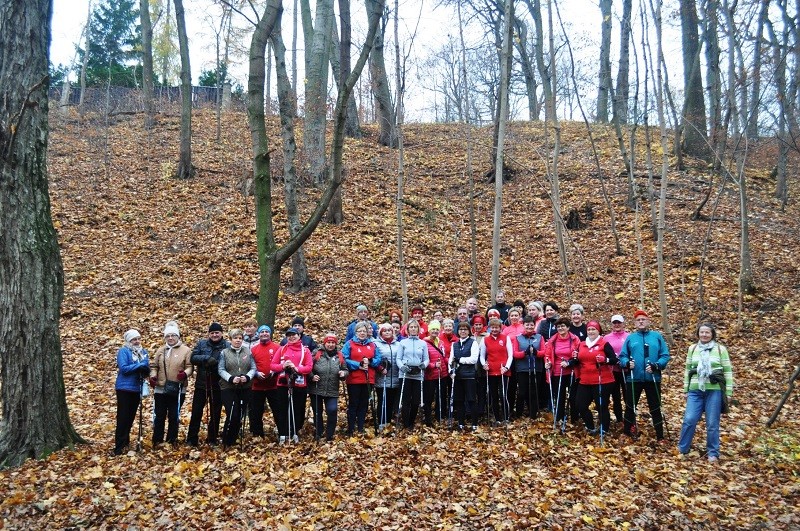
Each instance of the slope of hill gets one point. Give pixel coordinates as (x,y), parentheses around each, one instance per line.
(141,248)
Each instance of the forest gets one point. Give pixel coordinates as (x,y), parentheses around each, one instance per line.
(218,213)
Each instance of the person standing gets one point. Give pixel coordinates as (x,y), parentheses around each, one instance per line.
(413,360)
(644,355)
(435,385)
(577,326)
(329,368)
(293,363)
(387,379)
(362,316)
(250,329)
(708,385)
(205,358)
(169,370)
(616,338)
(464,355)
(547,327)
(496,356)
(265,383)
(500,305)
(561,359)
(595,359)
(236,369)
(299,324)
(133,367)
(527,348)
(362,361)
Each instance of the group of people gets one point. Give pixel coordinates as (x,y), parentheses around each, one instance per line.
(512,361)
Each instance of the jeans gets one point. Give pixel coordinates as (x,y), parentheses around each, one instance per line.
(696,403)
(330,405)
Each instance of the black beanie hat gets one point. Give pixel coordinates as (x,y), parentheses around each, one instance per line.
(299,321)
(215,327)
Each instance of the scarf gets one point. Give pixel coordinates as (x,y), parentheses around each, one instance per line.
(704,365)
(137,351)
(590,343)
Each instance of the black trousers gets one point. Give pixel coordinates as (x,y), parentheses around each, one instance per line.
(434,400)
(591,393)
(330,405)
(358,396)
(127,405)
(258,401)
(410,393)
(564,388)
(168,409)
(498,397)
(465,401)
(236,402)
(199,400)
(389,397)
(281,410)
(527,396)
(633,392)
(616,394)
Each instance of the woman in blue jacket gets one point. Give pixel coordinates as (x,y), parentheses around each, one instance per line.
(134,367)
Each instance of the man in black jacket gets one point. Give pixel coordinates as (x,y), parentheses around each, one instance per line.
(205,358)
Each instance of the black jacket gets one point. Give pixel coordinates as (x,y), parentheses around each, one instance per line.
(205,357)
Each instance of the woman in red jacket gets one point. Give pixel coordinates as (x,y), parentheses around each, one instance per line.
(561,360)
(362,359)
(435,387)
(595,358)
(293,363)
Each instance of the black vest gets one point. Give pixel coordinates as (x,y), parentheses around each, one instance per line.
(463,372)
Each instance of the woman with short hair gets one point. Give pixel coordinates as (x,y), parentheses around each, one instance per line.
(169,370)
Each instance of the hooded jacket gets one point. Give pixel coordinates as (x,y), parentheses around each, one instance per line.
(298,354)
(327,365)
(132,369)
(174,360)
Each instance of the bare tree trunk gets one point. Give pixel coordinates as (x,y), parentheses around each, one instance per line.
(620,97)
(398,131)
(185,168)
(316,89)
(604,76)
(694,113)
(535,10)
(300,280)
(147,62)
(295,90)
(473,229)
(660,66)
(785,397)
(781,183)
(85,61)
(526,65)
(352,128)
(35,419)
(384,110)
(505,78)
(755,98)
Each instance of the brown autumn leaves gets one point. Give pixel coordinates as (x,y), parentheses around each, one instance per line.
(140,248)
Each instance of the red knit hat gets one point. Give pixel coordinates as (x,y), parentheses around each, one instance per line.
(640,313)
(595,325)
(479,319)
(330,336)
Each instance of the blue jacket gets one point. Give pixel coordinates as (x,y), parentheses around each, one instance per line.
(644,348)
(131,372)
(351,329)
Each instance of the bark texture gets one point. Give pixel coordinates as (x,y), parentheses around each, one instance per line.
(35,420)
(185,167)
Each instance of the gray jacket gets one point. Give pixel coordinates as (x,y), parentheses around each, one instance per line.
(413,355)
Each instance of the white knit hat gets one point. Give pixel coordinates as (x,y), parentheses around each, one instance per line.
(172,328)
(131,334)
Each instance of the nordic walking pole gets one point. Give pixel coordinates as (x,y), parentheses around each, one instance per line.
(557,402)
(452,394)
(505,401)
(400,405)
(600,405)
(655,386)
(530,390)
(439,393)
(290,419)
(139,439)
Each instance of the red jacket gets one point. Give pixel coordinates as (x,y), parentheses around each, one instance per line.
(263,355)
(591,371)
(300,356)
(497,353)
(359,351)
(436,353)
(558,350)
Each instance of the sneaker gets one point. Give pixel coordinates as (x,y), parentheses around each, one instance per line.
(474,428)
(712,459)
(281,440)
(460,427)
(296,439)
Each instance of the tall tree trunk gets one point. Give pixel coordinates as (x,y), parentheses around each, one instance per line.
(352,128)
(316,89)
(300,280)
(473,229)
(535,9)
(505,81)
(604,76)
(164,57)
(399,81)
(147,62)
(294,51)
(271,257)
(185,168)
(620,98)
(694,111)
(384,110)
(714,81)
(779,48)
(85,60)
(755,97)
(528,70)
(35,419)
(662,204)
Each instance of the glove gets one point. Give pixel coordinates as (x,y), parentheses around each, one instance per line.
(181,376)
(144,368)
(572,362)
(654,367)
(600,358)
(153,381)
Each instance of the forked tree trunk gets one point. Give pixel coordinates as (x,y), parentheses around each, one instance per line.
(401,261)
(185,168)
(384,112)
(473,229)
(35,420)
